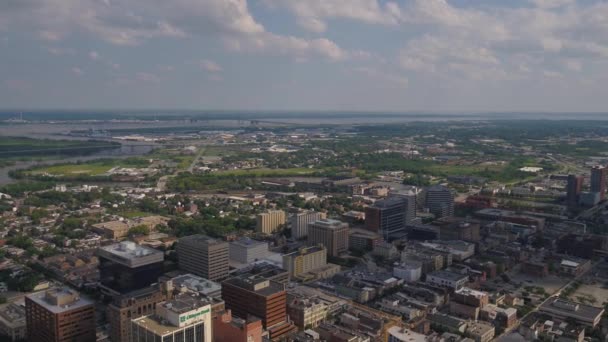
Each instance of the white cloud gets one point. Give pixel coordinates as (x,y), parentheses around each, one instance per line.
(382,76)
(77,71)
(147,77)
(94,55)
(210,66)
(133,22)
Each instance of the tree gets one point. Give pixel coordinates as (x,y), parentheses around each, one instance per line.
(139,230)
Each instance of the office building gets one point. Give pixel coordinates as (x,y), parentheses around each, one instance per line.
(59,315)
(573,190)
(362,240)
(399,334)
(131,305)
(267,270)
(271,221)
(246,250)
(126,266)
(185,318)
(203,256)
(410,197)
(388,217)
(332,234)
(307,313)
(12,320)
(259,297)
(228,328)
(440,201)
(304,260)
(455,228)
(447,279)
(598,181)
(298,222)
(480,331)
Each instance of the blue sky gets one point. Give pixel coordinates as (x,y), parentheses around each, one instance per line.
(370,55)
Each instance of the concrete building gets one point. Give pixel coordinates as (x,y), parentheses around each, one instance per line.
(501,317)
(410,271)
(269,222)
(573,190)
(228,328)
(185,318)
(12,320)
(112,230)
(467,303)
(260,297)
(298,222)
(481,332)
(386,250)
(399,334)
(307,312)
(582,314)
(332,234)
(362,240)
(59,315)
(388,217)
(410,197)
(129,306)
(447,279)
(246,250)
(304,260)
(126,266)
(455,228)
(598,181)
(440,201)
(203,256)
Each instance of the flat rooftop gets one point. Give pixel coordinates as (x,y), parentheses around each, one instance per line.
(259,285)
(59,300)
(184,303)
(569,308)
(248,243)
(448,275)
(330,223)
(197,284)
(203,239)
(130,253)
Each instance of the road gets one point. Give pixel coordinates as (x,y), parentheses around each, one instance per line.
(556,294)
(161,185)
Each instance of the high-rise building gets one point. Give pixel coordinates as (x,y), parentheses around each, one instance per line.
(59,315)
(129,306)
(332,234)
(127,266)
(574,189)
(246,250)
(203,256)
(259,297)
(410,196)
(185,318)
(440,201)
(228,328)
(304,260)
(269,222)
(598,181)
(298,222)
(388,217)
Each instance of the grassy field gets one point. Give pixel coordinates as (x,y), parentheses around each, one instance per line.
(91,169)
(269,172)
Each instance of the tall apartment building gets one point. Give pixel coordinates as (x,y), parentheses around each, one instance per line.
(228,328)
(259,297)
(332,234)
(304,260)
(246,250)
(127,266)
(573,190)
(59,315)
(388,217)
(270,221)
(185,318)
(130,306)
(440,201)
(204,256)
(598,181)
(298,222)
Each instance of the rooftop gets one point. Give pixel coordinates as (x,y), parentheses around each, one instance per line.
(200,238)
(129,250)
(59,300)
(184,303)
(448,275)
(257,284)
(569,308)
(196,284)
(330,223)
(248,243)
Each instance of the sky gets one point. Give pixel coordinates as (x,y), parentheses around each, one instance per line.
(364,55)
